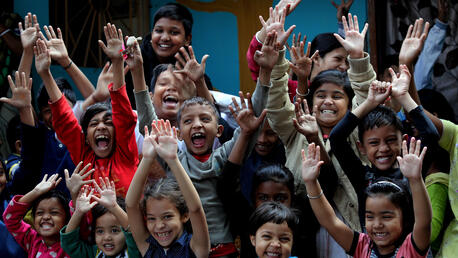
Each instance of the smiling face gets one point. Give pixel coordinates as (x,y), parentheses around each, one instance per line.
(335,59)
(164,221)
(100,134)
(49,218)
(167,37)
(273,240)
(383,223)
(108,235)
(266,141)
(382,145)
(332,105)
(198,128)
(272,191)
(167,97)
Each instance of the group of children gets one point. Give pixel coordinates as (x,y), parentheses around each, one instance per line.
(182,182)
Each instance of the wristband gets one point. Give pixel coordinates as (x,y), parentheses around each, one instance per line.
(68,66)
(4,32)
(302,95)
(317,196)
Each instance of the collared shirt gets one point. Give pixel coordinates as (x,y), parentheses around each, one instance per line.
(180,248)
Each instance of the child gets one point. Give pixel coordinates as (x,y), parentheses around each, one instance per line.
(109,225)
(388,234)
(50,214)
(166,205)
(271,230)
(106,137)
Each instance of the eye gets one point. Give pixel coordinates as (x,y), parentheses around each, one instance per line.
(285,239)
(151,219)
(93,123)
(158,30)
(373,143)
(187,121)
(99,231)
(387,217)
(266,237)
(369,217)
(55,213)
(263,197)
(168,217)
(206,119)
(38,213)
(280,198)
(109,122)
(320,96)
(115,230)
(391,140)
(175,32)
(338,96)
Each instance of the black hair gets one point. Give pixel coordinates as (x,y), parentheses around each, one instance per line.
(378,117)
(430,99)
(273,212)
(399,195)
(91,111)
(330,76)
(178,12)
(196,101)
(61,198)
(64,87)
(160,68)
(324,43)
(165,188)
(99,210)
(13,132)
(275,172)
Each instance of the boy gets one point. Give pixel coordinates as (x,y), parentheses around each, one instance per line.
(379,133)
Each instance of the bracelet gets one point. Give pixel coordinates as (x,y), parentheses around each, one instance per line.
(4,32)
(315,197)
(68,66)
(302,95)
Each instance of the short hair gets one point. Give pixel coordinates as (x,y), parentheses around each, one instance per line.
(275,172)
(160,68)
(398,193)
(13,132)
(430,98)
(63,85)
(60,196)
(99,210)
(196,101)
(324,43)
(378,117)
(330,76)
(91,111)
(178,12)
(165,188)
(273,212)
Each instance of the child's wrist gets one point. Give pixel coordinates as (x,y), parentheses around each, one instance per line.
(358,54)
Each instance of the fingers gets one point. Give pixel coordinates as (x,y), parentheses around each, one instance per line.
(409,31)
(263,23)
(11,83)
(262,116)
(355,18)
(53,34)
(84,169)
(57,181)
(350,22)
(289,31)
(345,25)
(250,103)
(404,148)
(334,4)
(59,33)
(366,26)
(340,39)
(204,61)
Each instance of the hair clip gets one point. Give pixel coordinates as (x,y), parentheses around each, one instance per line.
(389,183)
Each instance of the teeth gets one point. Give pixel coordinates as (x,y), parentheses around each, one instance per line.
(327,111)
(108,245)
(272,254)
(46,226)
(100,137)
(382,159)
(166,234)
(170,98)
(164,45)
(380,234)
(197,135)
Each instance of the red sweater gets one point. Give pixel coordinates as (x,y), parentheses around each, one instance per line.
(122,164)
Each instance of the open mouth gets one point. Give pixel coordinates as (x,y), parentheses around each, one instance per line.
(165,46)
(328,111)
(102,141)
(383,159)
(170,101)
(46,226)
(273,254)
(198,140)
(380,235)
(163,236)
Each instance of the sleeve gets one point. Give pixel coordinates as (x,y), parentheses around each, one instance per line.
(354,243)
(438,194)
(252,65)
(145,109)
(74,246)
(132,249)
(341,148)
(124,121)
(449,136)
(431,51)
(22,232)
(67,128)
(361,75)
(340,29)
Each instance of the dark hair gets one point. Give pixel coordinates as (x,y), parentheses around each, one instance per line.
(91,111)
(61,198)
(64,87)
(324,43)
(398,194)
(275,172)
(99,210)
(13,132)
(196,101)
(160,68)
(330,76)
(273,212)
(165,188)
(435,102)
(378,117)
(176,12)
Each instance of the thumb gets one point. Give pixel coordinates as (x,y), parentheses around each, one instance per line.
(340,39)
(6,100)
(262,117)
(204,61)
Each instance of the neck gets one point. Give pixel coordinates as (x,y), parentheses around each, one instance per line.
(49,241)
(326,130)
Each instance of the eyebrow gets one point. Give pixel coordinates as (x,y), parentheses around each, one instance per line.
(334,91)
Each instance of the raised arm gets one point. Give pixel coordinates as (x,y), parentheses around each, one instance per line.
(113,51)
(76,180)
(83,205)
(101,92)
(302,66)
(342,10)
(166,146)
(29,36)
(21,99)
(189,67)
(42,64)
(107,199)
(46,185)
(410,164)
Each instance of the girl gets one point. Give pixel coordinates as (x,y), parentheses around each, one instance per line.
(271,230)
(388,232)
(110,225)
(164,209)
(50,214)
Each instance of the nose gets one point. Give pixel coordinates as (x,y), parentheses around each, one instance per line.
(160,224)
(165,36)
(275,243)
(46,215)
(262,137)
(196,123)
(107,236)
(378,223)
(343,66)
(384,147)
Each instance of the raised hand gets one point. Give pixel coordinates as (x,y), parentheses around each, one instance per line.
(42,57)
(291,3)
(134,55)
(188,65)
(311,163)
(47,184)
(148,150)
(354,40)
(29,33)
(166,145)
(83,202)
(56,45)
(245,116)
(76,181)
(342,8)
(107,191)
(183,83)
(114,38)
(413,43)
(378,92)
(305,123)
(21,91)
(411,161)
(296,42)
(101,92)
(276,22)
(400,82)
(268,56)
(303,63)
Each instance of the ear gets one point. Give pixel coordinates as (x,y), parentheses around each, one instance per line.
(317,60)
(361,147)
(179,135)
(220,130)
(151,96)
(188,39)
(184,218)
(17,146)
(253,240)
